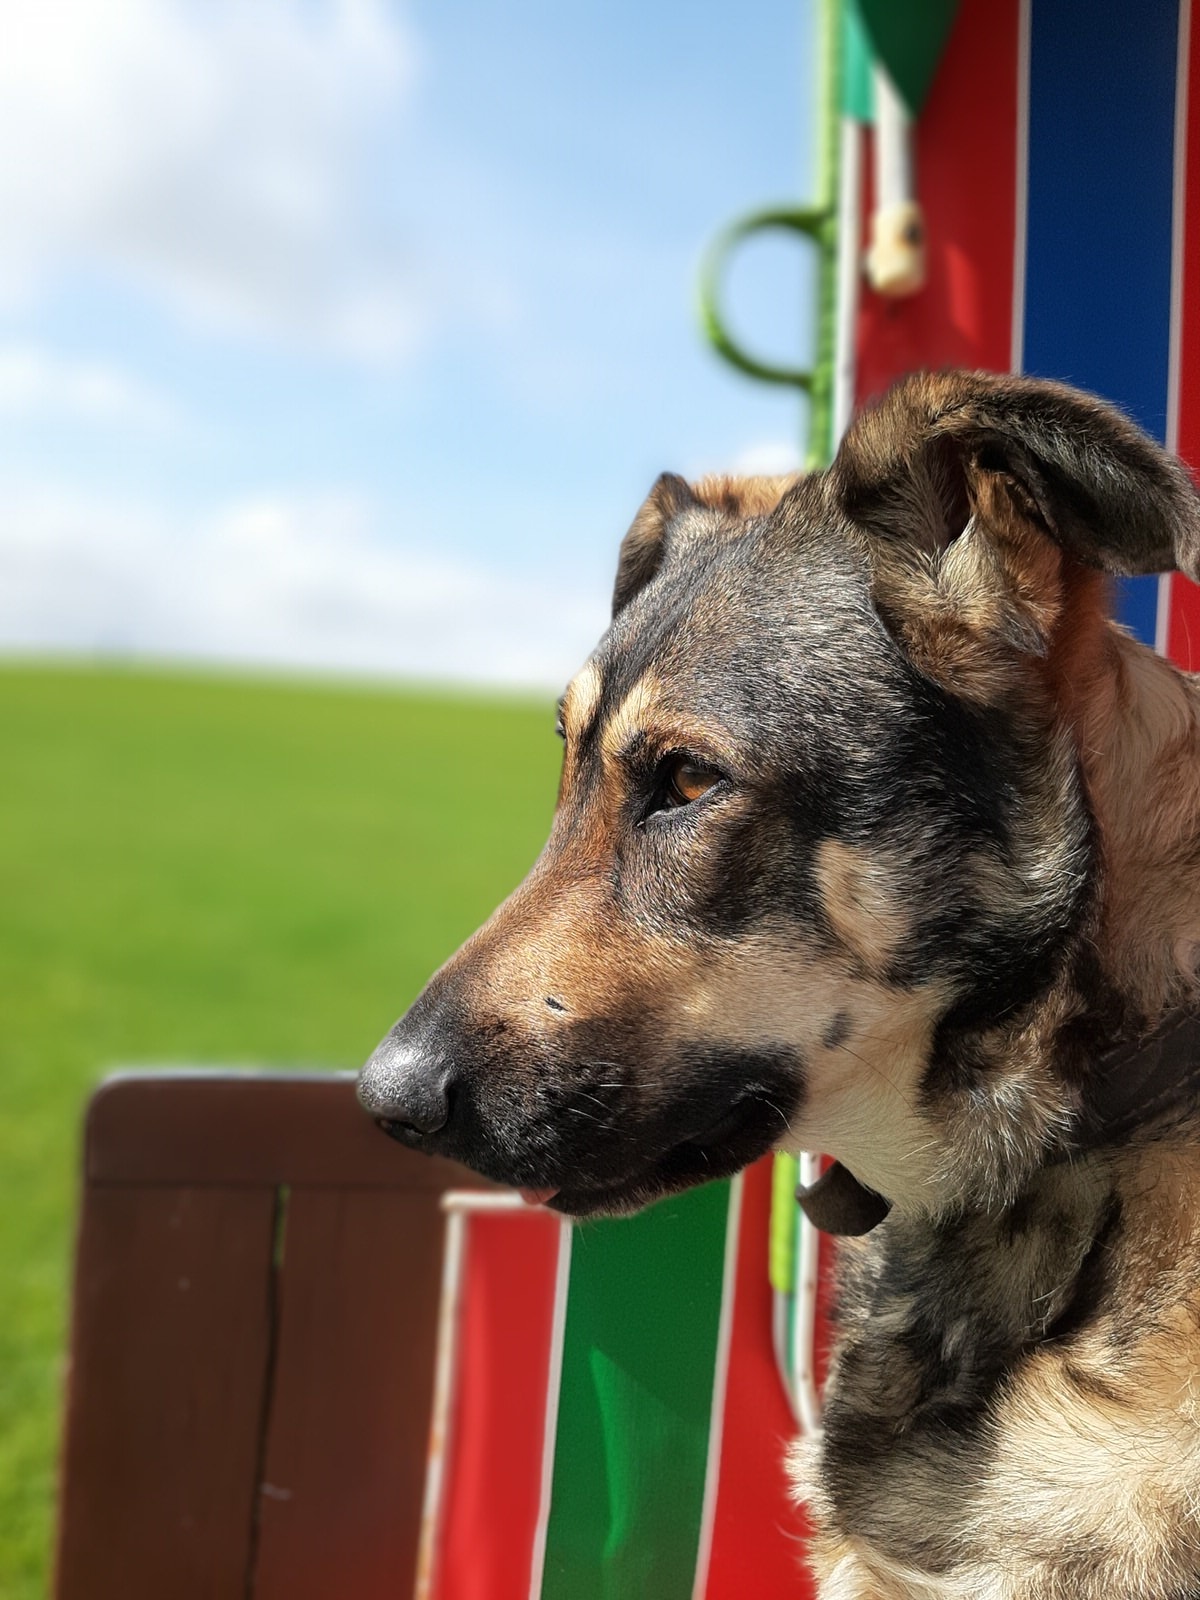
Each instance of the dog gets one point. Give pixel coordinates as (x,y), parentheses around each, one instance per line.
(876,837)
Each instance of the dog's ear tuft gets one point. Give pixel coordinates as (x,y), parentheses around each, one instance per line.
(642,547)
(939,446)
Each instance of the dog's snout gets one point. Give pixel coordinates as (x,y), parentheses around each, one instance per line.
(406,1089)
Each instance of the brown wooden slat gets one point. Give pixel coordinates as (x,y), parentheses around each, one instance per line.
(349,1419)
(267,1128)
(170,1337)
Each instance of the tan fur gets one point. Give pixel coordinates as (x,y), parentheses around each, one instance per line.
(860,902)
(581,699)
(743,497)
(648,712)
(862,1098)
(1137,722)
(959,614)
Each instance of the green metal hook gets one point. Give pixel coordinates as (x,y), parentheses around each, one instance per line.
(814,224)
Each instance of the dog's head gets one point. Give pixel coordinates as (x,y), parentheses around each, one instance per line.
(821,829)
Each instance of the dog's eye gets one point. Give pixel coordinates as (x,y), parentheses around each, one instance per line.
(687,780)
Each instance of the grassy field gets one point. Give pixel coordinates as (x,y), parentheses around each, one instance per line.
(202,870)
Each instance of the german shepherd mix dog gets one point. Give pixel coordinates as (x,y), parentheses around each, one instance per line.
(876,837)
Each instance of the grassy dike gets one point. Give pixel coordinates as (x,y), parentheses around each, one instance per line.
(212,870)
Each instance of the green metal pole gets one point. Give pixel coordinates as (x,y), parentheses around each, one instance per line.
(818,223)
(820,419)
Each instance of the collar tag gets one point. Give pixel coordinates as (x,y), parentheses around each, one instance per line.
(838,1203)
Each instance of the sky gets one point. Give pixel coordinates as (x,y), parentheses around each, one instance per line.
(348,335)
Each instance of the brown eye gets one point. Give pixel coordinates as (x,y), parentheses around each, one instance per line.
(688,781)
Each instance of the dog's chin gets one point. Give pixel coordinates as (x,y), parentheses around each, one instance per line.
(738,1140)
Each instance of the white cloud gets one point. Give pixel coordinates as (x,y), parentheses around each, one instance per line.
(36,383)
(767,458)
(227,156)
(274,582)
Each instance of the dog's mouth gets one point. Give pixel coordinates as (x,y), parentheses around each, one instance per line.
(745,1132)
(603,1148)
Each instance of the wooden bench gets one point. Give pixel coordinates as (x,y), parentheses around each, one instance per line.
(252,1344)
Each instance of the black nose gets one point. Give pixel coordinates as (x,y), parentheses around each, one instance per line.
(405,1089)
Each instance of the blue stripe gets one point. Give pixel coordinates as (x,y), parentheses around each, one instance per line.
(1101,169)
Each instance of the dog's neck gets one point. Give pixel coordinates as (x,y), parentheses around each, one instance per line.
(1135,720)
(1146,1084)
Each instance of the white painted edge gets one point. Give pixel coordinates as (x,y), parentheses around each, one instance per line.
(780,1307)
(441,1422)
(894,184)
(1162,614)
(806,1396)
(716,1425)
(1021,208)
(487,1200)
(1178,223)
(562,1282)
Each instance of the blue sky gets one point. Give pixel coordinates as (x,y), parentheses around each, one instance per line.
(350,335)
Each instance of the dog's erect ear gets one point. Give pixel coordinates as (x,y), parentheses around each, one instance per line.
(642,547)
(728,503)
(943,448)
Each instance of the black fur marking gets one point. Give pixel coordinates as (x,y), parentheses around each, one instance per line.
(838,1031)
(1093,1281)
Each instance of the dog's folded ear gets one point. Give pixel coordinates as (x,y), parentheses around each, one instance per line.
(642,547)
(943,448)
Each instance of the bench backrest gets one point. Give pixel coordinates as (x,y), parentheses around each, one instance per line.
(252,1344)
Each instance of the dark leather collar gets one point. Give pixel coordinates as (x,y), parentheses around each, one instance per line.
(1142,1081)
(1135,1084)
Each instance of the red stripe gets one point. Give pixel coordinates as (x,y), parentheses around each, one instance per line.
(494,1465)
(966,182)
(1183,621)
(757,1531)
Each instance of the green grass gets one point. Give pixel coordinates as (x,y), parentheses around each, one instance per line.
(209,870)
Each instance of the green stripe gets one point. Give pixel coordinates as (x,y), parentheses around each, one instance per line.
(635,1402)
(858,87)
(781,1263)
(909,39)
